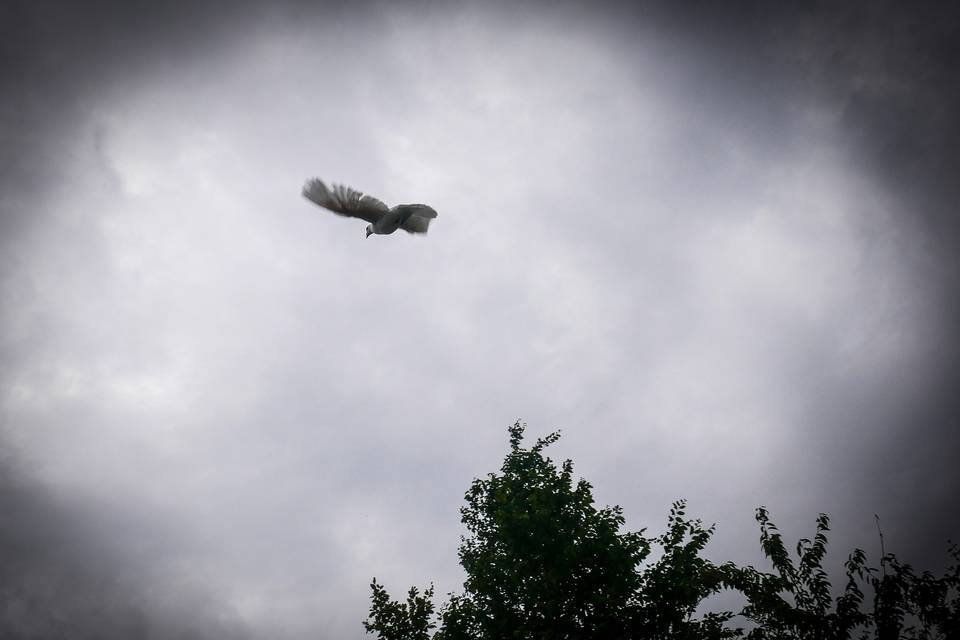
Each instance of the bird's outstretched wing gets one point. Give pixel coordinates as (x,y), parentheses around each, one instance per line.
(419,219)
(344,201)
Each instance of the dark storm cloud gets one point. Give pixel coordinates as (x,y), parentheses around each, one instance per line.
(886,71)
(72,567)
(60,580)
(891,71)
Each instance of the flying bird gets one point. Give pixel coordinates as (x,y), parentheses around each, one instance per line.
(344,201)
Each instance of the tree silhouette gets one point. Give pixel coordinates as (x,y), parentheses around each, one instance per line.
(542,562)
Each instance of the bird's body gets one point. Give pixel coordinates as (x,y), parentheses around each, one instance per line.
(344,201)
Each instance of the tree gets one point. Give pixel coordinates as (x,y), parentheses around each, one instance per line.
(544,563)
(393,620)
(541,561)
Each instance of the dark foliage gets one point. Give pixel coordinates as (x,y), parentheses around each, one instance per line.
(544,563)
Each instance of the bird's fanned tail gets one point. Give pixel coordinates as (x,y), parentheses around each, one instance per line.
(419,219)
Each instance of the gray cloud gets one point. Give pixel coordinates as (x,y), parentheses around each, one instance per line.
(713,246)
(61,580)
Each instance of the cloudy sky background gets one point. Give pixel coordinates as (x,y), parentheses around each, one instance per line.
(716,248)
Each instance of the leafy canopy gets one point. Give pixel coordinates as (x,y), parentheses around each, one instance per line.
(542,562)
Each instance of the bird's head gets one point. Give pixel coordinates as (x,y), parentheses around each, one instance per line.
(369,230)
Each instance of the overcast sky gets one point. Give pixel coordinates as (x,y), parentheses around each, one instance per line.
(715,246)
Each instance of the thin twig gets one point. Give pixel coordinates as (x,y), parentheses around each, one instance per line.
(883,553)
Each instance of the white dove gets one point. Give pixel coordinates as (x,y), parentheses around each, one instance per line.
(344,201)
